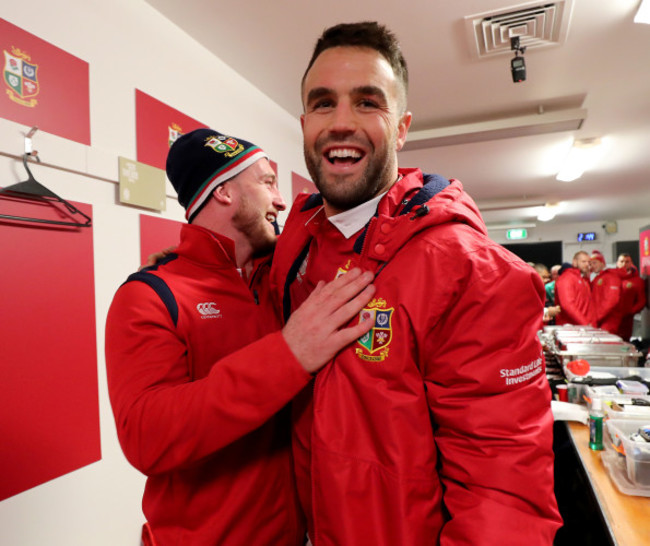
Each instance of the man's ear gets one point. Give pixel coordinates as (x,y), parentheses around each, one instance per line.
(403,129)
(223,193)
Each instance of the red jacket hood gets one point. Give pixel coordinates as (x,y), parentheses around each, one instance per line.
(394,227)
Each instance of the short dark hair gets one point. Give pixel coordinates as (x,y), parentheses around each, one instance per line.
(369,34)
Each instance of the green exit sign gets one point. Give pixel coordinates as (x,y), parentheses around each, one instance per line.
(516,234)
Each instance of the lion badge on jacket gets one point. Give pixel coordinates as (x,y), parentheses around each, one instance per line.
(374,344)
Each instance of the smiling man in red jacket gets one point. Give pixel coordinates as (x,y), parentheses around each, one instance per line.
(435,427)
(198,368)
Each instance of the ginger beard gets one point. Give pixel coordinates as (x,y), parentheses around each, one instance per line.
(253,224)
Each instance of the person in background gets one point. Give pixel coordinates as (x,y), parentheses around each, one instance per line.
(573,293)
(435,427)
(198,368)
(555,271)
(633,295)
(550,286)
(605,293)
(542,271)
(550,310)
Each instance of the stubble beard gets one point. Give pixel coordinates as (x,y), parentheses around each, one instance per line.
(343,193)
(248,222)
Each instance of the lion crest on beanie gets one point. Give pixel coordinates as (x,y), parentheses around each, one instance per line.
(201,160)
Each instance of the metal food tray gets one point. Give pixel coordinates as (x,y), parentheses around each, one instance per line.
(599,355)
(592,338)
(549,328)
(589,336)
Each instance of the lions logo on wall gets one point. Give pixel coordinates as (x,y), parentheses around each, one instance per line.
(374,344)
(175,132)
(20,77)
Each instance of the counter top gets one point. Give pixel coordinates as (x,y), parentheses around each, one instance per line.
(627,516)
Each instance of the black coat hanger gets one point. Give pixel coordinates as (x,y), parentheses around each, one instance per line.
(32,189)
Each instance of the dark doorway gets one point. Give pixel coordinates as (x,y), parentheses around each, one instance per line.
(549,253)
(627,247)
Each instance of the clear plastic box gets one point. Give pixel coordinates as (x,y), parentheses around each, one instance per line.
(629,411)
(637,454)
(582,390)
(615,466)
(621,372)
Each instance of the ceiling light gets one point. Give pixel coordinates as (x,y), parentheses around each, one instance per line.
(583,155)
(643,15)
(545,215)
(549,211)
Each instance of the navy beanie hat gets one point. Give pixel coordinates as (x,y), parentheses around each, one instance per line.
(201,160)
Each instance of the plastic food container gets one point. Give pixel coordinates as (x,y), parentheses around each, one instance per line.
(615,465)
(622,372)
(637,454)
(628,410)
(631,387)
(581,388)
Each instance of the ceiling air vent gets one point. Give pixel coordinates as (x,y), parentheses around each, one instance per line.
(536,25)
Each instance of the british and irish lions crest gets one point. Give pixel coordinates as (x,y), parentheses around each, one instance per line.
(20,77)
(174,132)
(228,146)
(374,344)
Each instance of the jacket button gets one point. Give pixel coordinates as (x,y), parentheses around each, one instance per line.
(385,228)
(379,248)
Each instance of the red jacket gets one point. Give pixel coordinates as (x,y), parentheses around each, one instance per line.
(633,300)
(435,428)
(573,295)
(605,296)
(195,411)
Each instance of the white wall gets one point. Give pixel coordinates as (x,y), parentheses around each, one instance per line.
(128,45)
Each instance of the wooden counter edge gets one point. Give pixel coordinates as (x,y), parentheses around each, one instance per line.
(627,516)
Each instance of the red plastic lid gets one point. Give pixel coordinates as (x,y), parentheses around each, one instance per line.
(578,367)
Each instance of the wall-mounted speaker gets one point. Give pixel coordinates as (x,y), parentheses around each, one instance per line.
(611,227)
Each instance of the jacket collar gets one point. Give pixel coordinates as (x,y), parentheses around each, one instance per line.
(351,221)
(207,247)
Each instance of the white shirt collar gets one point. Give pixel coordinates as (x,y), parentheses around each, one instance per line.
(351,221)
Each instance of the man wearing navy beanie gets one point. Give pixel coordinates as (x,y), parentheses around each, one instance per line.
(198,369)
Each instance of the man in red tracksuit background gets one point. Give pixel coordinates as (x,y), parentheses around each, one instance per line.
(633,295)
(605,293)
(573,293)
(435,427)
(198,368)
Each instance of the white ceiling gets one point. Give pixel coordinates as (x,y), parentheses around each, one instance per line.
(600,64)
